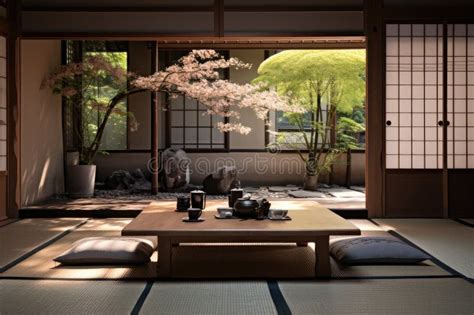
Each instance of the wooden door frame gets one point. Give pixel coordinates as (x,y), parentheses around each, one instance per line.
(16,34)
(13,30)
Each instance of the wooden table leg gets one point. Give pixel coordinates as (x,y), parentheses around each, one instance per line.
(164,257)
(323,265)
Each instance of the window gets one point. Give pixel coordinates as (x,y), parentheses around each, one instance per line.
(290,131)
(115,133)
(87,121)
(190,127)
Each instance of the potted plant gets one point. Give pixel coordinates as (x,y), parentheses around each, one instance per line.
(98,86)
(328,84)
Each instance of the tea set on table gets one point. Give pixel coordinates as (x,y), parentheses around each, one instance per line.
(240,207)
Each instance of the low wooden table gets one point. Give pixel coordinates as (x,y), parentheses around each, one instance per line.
(310,223)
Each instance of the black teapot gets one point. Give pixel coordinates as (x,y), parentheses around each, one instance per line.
(251,208)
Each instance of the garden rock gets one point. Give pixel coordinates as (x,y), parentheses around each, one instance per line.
(175,164)
(120,179)
(222,181)
(141,183)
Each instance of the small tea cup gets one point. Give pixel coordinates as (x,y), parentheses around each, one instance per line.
(225,212)
(194,213)
(277,214)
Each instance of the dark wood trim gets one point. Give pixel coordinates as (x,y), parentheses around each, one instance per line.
(155,109)
(109,36)
(328,45)
(219,18)
(373,25)
(106,9)
(294,8)
(191,8)
(13,99)
(63,118)
(159,36)
(419,14)
(445,119)
(3,26)
(223,150)
(266,55)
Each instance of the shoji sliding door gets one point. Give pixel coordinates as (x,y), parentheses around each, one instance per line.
(414,115)
(428,133)
(460,111)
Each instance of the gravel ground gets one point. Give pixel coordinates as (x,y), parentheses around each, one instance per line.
(273,192)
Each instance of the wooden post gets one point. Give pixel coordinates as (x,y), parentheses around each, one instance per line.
(13,109)
(154,131)
(165,257)
(333,145)
(323,264)
(374,162)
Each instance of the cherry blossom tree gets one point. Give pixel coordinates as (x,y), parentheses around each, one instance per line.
(196,76)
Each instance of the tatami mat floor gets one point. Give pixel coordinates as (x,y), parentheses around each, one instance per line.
(447,240)
(21,238)
(34,286)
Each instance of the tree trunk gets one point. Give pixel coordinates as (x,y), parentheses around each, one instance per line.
(311,176)
(348,168)
(310,182)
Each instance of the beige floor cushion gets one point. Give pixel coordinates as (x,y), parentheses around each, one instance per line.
(107,250)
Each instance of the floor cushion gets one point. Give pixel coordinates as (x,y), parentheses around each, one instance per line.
(108,251)
(377,250)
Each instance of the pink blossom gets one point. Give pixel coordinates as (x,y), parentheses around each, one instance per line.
(196,76)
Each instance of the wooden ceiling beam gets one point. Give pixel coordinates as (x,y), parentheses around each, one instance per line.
(192,8)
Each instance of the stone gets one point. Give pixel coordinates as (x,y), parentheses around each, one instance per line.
(134,181)
(358,188)
(251,189)
(306,194)
(188,188)
(221,181)
(283,188)
(120,179)
(323,186)
(141,182)
(174,167)
(344,193)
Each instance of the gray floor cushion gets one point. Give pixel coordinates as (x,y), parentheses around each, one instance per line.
(375,250)
(107,250)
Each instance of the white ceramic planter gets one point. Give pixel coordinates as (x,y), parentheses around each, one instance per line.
(81,181)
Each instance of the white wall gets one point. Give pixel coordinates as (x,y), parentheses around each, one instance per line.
(41,134)
(256,138)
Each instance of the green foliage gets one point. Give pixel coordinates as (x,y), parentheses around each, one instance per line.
(329,84)
(299,72)
(346,129)
(100,89)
